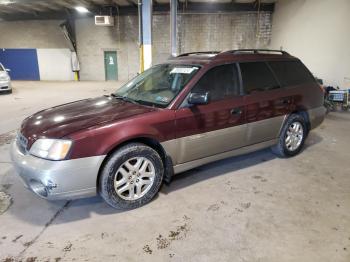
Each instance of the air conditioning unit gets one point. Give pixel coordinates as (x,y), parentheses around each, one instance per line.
(104,20)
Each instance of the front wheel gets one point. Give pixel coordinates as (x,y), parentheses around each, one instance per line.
(131,177)
(292,137)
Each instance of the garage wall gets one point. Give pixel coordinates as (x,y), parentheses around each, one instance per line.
(52,56)
(196,32)
(212,32)
(23,63)
(93,40)
(31,34)
(55,64)
(318,32)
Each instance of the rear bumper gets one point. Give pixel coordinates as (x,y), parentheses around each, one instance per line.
(5,86)
(316,116)
(53,180)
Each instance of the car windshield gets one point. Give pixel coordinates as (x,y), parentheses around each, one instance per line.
(1,68)
(157,86)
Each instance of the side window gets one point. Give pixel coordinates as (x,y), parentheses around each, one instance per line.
(221,82)
(257,76)
(291,73)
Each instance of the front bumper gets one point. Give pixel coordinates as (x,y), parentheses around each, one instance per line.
(5,86)
(53,180)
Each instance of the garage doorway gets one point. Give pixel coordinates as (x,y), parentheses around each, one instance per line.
(111,65)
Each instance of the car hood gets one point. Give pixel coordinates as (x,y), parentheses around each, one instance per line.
(59,121)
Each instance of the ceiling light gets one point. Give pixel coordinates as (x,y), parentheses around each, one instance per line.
(82,9)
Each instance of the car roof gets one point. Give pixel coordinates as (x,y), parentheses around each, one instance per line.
(238,55)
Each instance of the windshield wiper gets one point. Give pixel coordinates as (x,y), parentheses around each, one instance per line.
(124,98)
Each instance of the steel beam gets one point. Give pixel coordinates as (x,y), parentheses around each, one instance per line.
(173,27)
(145,13)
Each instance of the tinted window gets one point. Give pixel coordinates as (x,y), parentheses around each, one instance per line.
(221,82)
(257,76)
(291,73)
(1,68)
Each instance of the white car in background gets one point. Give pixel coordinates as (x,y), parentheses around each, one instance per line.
(5,80)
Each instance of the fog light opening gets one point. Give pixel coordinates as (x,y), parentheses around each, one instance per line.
(38,188)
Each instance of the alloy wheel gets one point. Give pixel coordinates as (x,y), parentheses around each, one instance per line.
(134,178)
(294,136)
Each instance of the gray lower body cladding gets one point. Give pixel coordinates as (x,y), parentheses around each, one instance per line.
(192,151)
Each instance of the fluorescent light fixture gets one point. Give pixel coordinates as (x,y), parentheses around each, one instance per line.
(81,9)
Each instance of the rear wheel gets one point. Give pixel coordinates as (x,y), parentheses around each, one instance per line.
(292,137)
(131,177)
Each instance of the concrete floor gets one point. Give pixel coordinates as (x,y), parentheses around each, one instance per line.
(250,208)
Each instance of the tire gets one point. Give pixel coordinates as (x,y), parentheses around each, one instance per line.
(286,149)
(120,173)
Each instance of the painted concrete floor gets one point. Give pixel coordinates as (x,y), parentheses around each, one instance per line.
(250,208)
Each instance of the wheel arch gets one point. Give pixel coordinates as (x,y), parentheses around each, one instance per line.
(148,141)
(303,113)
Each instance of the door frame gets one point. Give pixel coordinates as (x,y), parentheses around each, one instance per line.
(105,52)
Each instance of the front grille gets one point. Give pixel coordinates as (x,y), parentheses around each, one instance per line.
(4,87)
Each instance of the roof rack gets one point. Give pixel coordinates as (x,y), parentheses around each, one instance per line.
(200,53)
(257,51)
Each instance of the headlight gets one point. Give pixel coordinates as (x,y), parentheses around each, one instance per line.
(53,149)
(5,78)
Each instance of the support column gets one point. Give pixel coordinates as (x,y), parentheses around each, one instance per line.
(145,34)
(173,27)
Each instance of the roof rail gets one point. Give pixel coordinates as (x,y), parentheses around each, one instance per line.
(256,51)
(200,53)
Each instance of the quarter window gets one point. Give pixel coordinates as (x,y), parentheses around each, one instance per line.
(291,73)
(221,82)
(257,76)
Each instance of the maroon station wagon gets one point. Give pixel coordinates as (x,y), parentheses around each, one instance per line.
(194,109)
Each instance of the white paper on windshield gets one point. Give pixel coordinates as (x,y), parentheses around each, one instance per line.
(182,70)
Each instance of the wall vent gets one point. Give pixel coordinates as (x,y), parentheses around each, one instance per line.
(103,20)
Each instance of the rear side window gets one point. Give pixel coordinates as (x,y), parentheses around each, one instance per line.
(290,73)
(221,82)
(257,76)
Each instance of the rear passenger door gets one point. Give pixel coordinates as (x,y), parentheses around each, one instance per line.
(265,102)
(217,127)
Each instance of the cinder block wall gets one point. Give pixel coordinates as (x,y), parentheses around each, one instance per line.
(32,34)
(196,32)
(93,40)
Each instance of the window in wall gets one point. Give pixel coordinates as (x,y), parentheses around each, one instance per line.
(221,82)
(291,73)
(257,76)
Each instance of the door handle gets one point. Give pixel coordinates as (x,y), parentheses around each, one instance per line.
(285,101)
(236,111)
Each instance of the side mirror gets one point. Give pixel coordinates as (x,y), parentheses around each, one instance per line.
(8,70)
(198,98)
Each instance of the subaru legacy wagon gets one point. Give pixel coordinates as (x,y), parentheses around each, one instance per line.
(194,109)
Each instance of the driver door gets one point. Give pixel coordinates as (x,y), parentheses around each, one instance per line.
(217,127)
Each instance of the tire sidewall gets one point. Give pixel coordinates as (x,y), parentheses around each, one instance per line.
(293,119)
(107,190)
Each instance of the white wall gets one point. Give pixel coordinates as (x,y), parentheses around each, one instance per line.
(318,32)
(55,64)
